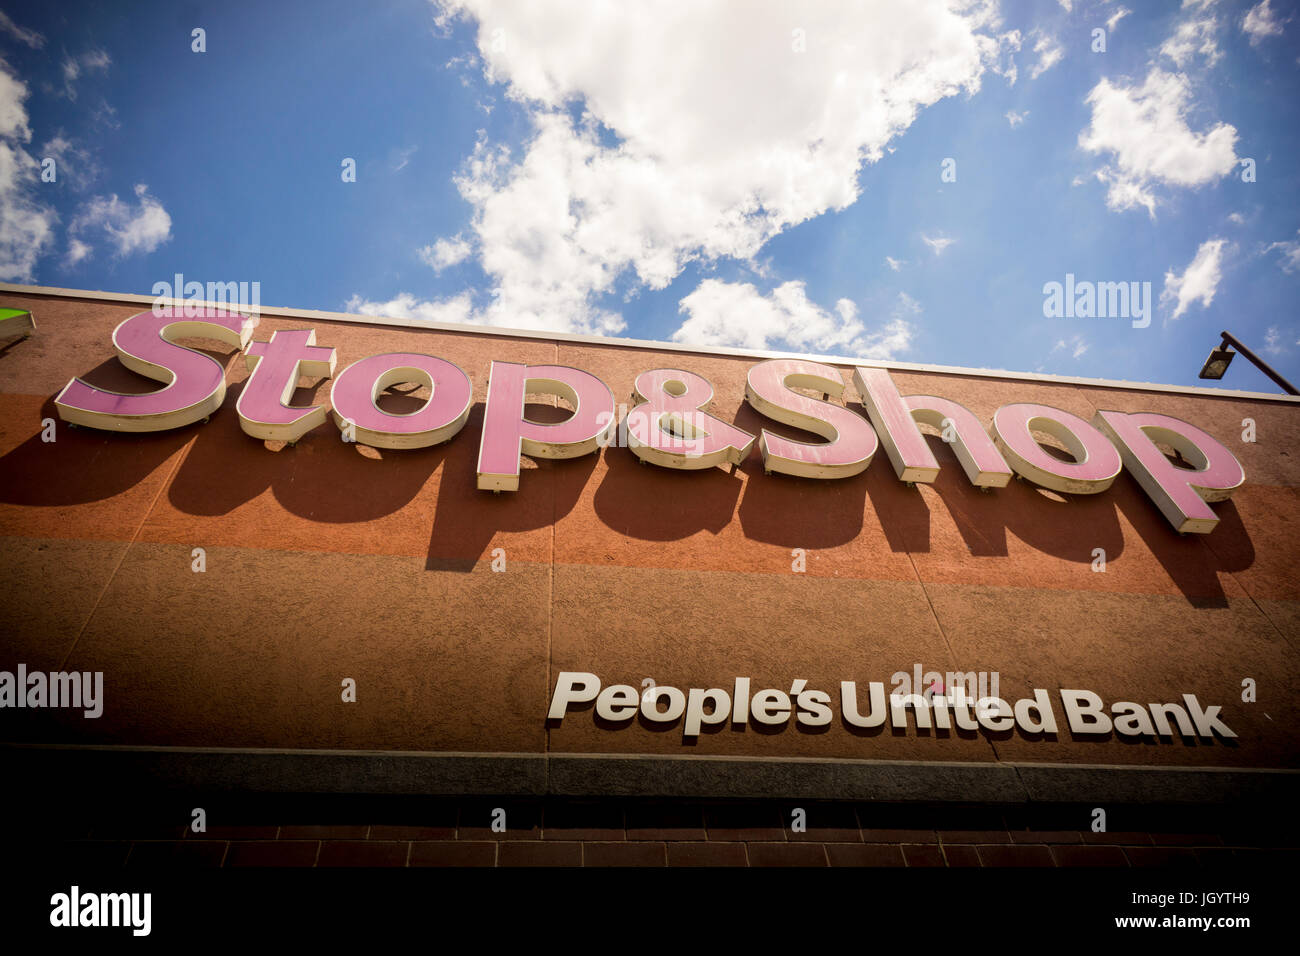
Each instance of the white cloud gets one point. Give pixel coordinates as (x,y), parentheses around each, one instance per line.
(1076,345)
(702,134)
(1049,52)
(893,263)
(736,314)
(445,253)
(401,157)
(1190,38)
(29,37)
(139,227)
(1260,22)
(1066,5)
(74,66)
(1236,218)
(26,225)
(1113,20)
(13,114)
(77,251)
(1145,130)
(938,243)
(1008,45)
(1014,118)
(406,306)
(1290,259)
(1199,280)
(73,164)
(1273,341)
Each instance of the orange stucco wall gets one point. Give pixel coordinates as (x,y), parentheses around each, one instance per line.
(327,561)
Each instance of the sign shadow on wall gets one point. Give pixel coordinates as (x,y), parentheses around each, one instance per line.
(466,519)
(83,465)
(325,479)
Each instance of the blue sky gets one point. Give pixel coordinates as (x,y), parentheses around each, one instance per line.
(726,173)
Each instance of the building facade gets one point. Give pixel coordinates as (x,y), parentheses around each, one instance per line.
(613,626)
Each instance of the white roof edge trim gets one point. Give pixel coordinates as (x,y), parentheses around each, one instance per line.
(322,316)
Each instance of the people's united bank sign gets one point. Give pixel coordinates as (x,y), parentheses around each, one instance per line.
(667,424)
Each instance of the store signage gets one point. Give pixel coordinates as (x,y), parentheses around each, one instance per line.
(16,322)
(667,426)
(1085,712)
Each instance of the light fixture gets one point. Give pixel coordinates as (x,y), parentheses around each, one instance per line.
(1218,361)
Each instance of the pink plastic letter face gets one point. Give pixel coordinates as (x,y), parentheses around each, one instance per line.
(507,433)
(971,444)
(441,418)
(668,428)
(274,366)
(1180,493)
(1096,462)
(851,441)
(195,384)
(903,441)
(895,419)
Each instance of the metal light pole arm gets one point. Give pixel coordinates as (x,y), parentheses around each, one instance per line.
(1259,363)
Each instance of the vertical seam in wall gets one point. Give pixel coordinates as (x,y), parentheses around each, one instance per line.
(1246,591)
(1024,787)
(550,617)
(180,459)
(117,567)
(550,627)
(942,633)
